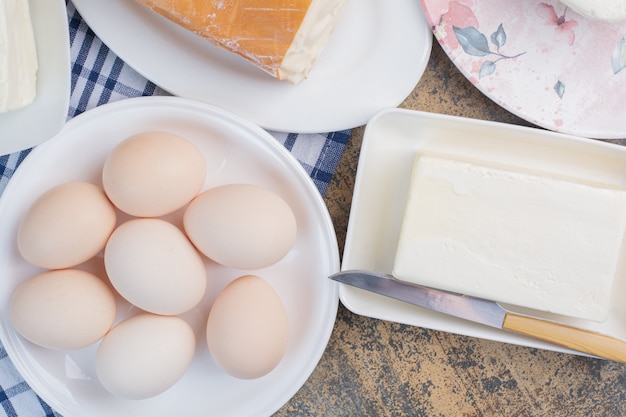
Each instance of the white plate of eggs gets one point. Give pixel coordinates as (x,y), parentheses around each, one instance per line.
(164,257)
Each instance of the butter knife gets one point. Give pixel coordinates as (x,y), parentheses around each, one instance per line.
(486,312)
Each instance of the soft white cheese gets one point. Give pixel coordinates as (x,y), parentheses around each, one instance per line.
(18,56)
(311,39)
(530,240)
(607,10)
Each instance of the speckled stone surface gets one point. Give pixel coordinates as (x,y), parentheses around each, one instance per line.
(377,368)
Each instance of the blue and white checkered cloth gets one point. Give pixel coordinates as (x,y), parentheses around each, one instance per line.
(99,77)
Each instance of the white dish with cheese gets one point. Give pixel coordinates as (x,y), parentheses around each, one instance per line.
(364,67)
(50,104)
(394,138)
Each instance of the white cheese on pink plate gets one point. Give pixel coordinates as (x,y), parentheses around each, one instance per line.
(606,10)
(515,237)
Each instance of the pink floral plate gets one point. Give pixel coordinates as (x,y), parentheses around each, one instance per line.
(540,60)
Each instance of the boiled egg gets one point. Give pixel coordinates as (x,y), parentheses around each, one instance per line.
(241,226)
(63,309)
(144,355)
(66,226)
(151,174)
(152,264)
(247,330)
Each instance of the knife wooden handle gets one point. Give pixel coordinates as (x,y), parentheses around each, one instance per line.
(578,339)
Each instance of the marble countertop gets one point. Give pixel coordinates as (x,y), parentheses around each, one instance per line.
(377,368)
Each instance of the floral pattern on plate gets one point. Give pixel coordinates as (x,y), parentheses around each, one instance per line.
(540,60)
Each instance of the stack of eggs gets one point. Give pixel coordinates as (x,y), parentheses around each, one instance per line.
(155,266)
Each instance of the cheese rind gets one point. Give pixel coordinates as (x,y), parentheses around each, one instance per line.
(282,37)
(607,10)
(530,240)
(18,56)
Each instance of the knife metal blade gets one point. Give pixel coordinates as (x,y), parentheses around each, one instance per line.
(486,312)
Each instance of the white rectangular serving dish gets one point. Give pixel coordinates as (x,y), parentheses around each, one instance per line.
(390,142)
(46,115)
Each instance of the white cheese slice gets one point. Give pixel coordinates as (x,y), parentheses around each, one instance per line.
(519,238)
(607,10)
(18,56)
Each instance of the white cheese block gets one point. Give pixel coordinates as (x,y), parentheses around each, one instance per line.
(519,238)
(18,56)
(607,10)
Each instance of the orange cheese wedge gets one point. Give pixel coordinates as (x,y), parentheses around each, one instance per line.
(282,37)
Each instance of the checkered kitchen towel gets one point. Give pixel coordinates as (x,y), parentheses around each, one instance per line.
(99,77)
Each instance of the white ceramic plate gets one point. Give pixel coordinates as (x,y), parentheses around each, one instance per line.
(539,60)
(235,150)
(374,59)
(390,142)
(44,117)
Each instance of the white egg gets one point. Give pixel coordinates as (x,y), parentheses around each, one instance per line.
(152,264)
(247,330)
(144,355)
(63,309)
(241,225)
(66,226)
(153,173)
